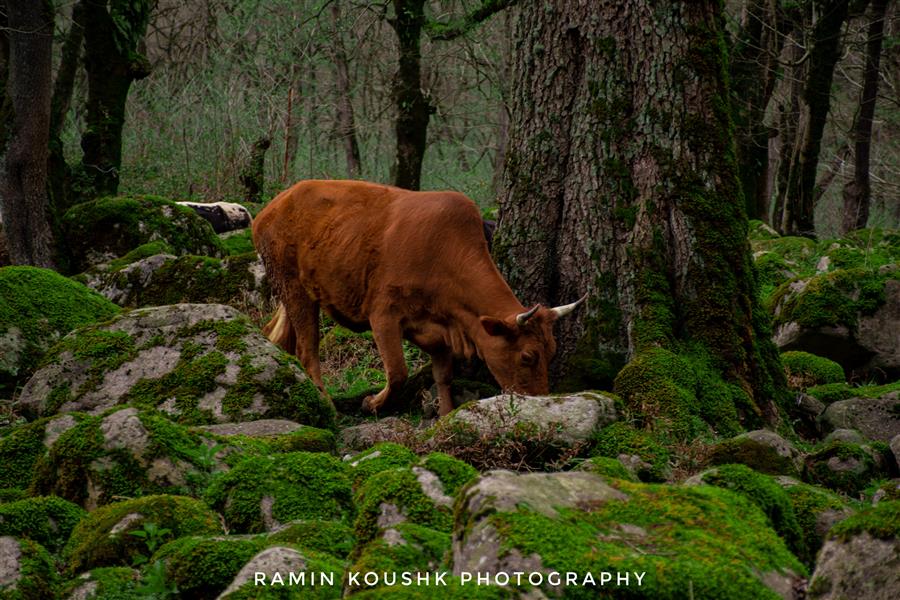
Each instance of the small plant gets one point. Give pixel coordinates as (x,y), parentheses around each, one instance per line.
(153,536)
(205,456)
(154,585)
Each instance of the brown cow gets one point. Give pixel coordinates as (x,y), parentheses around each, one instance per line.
(411,265)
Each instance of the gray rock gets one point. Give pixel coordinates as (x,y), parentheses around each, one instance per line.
(860,567)
(895,448)
(879,333)
(365,435)
(10,563)
(845,435)
(259,428)
(245,377)
(567,419)
(875,418)
(270,561)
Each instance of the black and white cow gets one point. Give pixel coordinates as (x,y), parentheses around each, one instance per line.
(223,216)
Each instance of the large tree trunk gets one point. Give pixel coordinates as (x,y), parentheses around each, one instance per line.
(858,192)
(413,108)
(23,186)
(112,63)
(346,122)
(621,180)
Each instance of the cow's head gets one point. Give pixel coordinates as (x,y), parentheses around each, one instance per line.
(518,348)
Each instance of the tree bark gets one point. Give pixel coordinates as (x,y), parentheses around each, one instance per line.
(857,193)
(23,186)
(621,180)
(253,174)
(413,108)
(112,63)
(345,118)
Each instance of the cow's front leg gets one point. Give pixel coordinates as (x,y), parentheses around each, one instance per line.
(389,340)
(442,369)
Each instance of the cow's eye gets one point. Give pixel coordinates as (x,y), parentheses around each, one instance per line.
(529,358)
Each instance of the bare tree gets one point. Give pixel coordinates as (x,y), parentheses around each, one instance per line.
(346,123)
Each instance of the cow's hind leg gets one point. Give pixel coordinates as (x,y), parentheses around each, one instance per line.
(442,369)
(304,315)
(389,340)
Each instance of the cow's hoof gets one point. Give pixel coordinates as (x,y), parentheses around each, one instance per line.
(371,404)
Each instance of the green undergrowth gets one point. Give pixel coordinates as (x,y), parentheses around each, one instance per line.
(833,392)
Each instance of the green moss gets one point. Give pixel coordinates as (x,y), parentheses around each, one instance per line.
(833,392)
(239,243)
(422,550)
(797,252)
(855,467)
(115,226)
(92,543)
(805,370)
(331,537)
(808,503)
(305,439)
(453,473)
(101,349)
(607,467)
(37,574)
(143,251)
(12,494)
(880,521)
(202,567)
(380,457)
(19,451)
(760,231)
(302,485)
(770,497)
(113,583)
(708,541)
(681,395)
(401,488)
(37,306)
(772,270)
(621,438)
(454,590)
(315,563)
(745,450)
(47,520)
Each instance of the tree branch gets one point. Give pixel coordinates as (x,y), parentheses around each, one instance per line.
(444,31)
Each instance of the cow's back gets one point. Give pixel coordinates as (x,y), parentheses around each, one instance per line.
(352,245)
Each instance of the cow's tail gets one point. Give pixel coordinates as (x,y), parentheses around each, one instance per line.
(280,331)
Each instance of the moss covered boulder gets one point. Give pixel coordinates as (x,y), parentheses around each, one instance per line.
(639,449)
(27,571)
(22,446)
(46,520)
(107,228)
(847,467)
(261,493)
(607,467)
(711,541)
(106,537)
(331,537)
(875,418)
(278,434)
(37,307)
(200,363)
(850,316)
(104,583)
(861,558)
(762,450)
(403,548)
(378,458)
(817,510)
(804,370)
(274,564)
(162,279)
(422,494)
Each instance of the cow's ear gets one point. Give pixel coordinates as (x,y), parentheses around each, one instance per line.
(495,326)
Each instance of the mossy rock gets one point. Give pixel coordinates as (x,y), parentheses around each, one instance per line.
(861,558)
(276,563)
(758,230)
(125,453)
(12,494)
(607,467)
(238,242)
(278,435)
(199,363)
(846,467)
(711,541)
(682,396)
(773,500)
(98,231)
(623,439)
(403,548)
(104,537)
(762,450)
(799,252)
(37,307)
(833,392)
(331,537)
(47,520)
(104,583)
(21,447)
(816,509)
(804,370)
(28,570)
(162,279)
(380,457)
(263,492)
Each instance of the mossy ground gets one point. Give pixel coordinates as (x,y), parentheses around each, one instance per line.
(43,306)
(93,545)
(302,485)
(832,392)
(699,541)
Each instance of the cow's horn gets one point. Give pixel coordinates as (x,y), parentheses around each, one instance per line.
(522,318)
(562,311)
